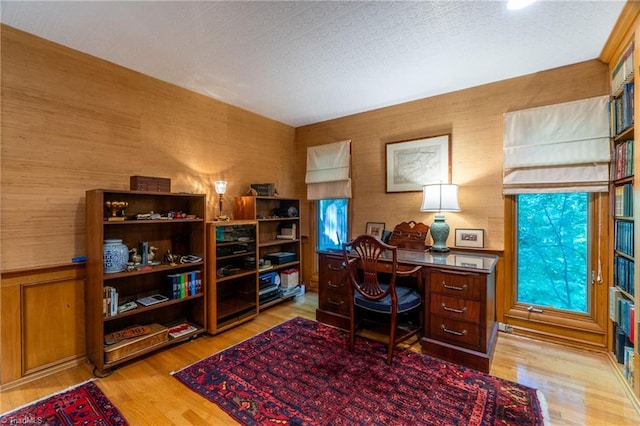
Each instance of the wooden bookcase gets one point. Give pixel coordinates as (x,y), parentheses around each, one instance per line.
(278,232)
(624,290)
(178,236)
(232,297)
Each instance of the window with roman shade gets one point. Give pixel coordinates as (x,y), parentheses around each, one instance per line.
(329,171)
(557,148)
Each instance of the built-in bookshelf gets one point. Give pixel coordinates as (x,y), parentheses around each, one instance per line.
(622,293)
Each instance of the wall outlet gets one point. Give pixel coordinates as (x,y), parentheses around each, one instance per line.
(505,327)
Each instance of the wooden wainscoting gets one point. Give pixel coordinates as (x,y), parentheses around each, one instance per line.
(41,321)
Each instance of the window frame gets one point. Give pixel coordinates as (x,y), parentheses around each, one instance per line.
(588,273)
(585,330)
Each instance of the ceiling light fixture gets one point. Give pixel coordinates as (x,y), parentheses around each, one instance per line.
(518,4)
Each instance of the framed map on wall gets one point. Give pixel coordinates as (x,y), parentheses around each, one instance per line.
(412,164)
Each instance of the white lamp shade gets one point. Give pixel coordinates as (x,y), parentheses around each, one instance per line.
(221,186)
(440,197)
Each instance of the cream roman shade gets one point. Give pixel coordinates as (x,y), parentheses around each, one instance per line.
(329,171)
(557,148)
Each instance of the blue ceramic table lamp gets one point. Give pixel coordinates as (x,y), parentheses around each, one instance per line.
(439,197)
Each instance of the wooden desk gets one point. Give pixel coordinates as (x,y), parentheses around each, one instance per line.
(459,308)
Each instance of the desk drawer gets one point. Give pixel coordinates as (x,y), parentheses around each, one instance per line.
(332,286)
(456,332)
(455,308)
(334,302)
(385,267)
(465,285)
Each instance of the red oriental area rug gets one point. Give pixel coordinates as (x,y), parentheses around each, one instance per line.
(301,373)
(84,404)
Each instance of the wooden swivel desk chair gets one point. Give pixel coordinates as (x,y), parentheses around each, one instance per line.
(364,263)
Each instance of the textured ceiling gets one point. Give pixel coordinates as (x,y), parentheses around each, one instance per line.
(302,62)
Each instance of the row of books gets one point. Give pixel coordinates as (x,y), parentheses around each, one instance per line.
(629,368)
(623,200)
(623,160)
(623,274)
(623,242)
(623,71)
(621,109)
(180,286)
(622,312)
(185,284)
(109,301)
(623,350)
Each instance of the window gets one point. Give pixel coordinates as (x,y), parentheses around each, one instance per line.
(552,247)
(332,223)
(556,181)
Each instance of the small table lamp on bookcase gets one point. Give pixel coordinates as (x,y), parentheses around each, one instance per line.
(221,188)
(439,197)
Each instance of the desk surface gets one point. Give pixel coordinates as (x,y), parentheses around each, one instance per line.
(481,262)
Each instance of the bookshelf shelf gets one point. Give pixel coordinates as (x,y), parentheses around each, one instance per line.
(154,270)
(138,353)
(140,309)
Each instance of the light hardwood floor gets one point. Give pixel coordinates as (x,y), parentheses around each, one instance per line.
(580,387)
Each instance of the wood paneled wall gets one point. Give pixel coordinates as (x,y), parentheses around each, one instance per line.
(72,122)
(41,321)
(473,117)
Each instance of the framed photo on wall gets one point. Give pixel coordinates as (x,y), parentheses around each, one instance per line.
(375,229)
(412,164)
(470,238)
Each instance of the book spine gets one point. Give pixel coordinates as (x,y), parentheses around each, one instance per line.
(192,283)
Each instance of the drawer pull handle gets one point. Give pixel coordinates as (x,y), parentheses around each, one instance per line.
(457,311)
(333,268)
(334,302)
(452,287)
(457,333)
(331,284)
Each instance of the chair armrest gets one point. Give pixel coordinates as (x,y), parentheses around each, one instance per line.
(409,272)
(349,262)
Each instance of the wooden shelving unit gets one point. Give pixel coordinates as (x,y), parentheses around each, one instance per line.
(178,236)
(275,216)
(233,274)
(624,291)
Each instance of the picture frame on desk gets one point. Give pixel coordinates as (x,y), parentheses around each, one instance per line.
(469,237)
(414,163)
(375,229)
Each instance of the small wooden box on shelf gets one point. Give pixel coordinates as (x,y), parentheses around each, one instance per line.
(176,229)
(278,242)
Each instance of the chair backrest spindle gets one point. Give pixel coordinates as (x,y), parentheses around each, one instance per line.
(370,254)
